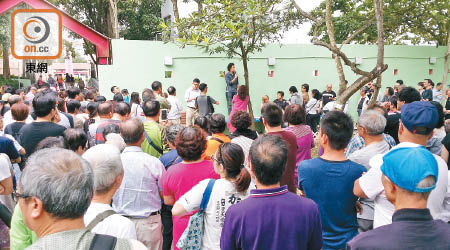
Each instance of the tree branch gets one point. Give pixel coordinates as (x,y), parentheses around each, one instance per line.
(358,31)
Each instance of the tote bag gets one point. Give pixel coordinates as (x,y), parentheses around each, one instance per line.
(191,239)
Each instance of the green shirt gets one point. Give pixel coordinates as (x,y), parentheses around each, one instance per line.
(157,134)
(20,235)
(163,103)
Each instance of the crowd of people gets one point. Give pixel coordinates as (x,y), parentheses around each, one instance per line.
(78,171)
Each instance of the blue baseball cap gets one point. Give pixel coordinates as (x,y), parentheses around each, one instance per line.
(419,117)
(406,167)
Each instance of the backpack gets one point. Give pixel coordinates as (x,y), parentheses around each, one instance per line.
(210,105)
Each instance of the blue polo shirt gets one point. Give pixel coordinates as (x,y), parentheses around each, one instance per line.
(410,229)
(272,219)
(7,147)
(330,185)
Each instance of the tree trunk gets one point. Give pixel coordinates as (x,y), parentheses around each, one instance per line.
(330,31)
(175,10)
(6,72)
(446,64)
(112,20)
(377,91)
(247,82)
(379,68)
(378,4)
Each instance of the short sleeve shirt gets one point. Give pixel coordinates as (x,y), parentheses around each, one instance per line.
(7,147)
(373,188)
(223,195)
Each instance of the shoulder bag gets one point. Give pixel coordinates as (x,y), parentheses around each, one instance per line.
(191,239)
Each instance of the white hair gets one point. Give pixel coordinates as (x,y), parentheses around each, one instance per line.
(373,122)
(115,140)
(61,179)
(107,165)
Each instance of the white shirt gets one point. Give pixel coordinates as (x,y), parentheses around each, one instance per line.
(223,195)
(8,119)
(5,167)
(138,195)
(446,213)
(114,225)
(190,93)
(371,186)
(176,108)
(312,106)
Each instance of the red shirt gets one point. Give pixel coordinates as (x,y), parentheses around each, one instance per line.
(289,171)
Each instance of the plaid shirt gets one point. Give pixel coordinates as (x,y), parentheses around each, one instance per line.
(357,143)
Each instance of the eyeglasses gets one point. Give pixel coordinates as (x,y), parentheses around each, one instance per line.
(19,195)
(215,159)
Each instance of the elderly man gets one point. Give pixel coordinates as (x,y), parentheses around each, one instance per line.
(108,174)
(139,196)
(418,119)
(54,211)
(409,175)
(370,127)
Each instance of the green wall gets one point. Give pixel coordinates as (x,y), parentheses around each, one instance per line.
(136,64)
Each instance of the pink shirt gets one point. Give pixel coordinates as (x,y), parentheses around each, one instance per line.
(239,104)
(179,179)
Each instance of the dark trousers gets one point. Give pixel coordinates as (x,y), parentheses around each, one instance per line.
(312,120)
(229,96)
(166,219)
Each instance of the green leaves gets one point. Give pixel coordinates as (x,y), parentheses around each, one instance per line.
(222,24)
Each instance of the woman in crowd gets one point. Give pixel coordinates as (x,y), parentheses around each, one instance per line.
(243,136)
(305,95)
(295,116)
(180,178)
(135,101)
(311,108)
(203,123)
(265,100)
(434,143)
(232,187)
(240,102)
(19,112)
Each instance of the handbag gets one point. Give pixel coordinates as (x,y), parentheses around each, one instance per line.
(191,239)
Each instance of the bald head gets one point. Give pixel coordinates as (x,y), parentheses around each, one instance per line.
(132,131)
(14,99)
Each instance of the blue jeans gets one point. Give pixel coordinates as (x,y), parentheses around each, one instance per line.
(229,96)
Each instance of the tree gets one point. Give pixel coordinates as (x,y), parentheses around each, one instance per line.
(428,22)
(139,20)
(175,7)
(322,19)
(234,27)
(5,34)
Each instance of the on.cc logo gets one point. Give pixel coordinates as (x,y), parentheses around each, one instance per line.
(41,29)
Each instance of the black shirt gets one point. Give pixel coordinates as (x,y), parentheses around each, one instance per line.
(392,126)
(446,143)
(282,104)
(410,229)
(33,133)
(427,95)
(13,129)
(327,96)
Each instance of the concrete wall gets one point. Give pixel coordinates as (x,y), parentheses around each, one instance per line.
(138,63)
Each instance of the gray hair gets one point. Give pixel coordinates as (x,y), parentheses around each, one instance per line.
(172,132)
(373,122)
(107,165)
(61,179)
